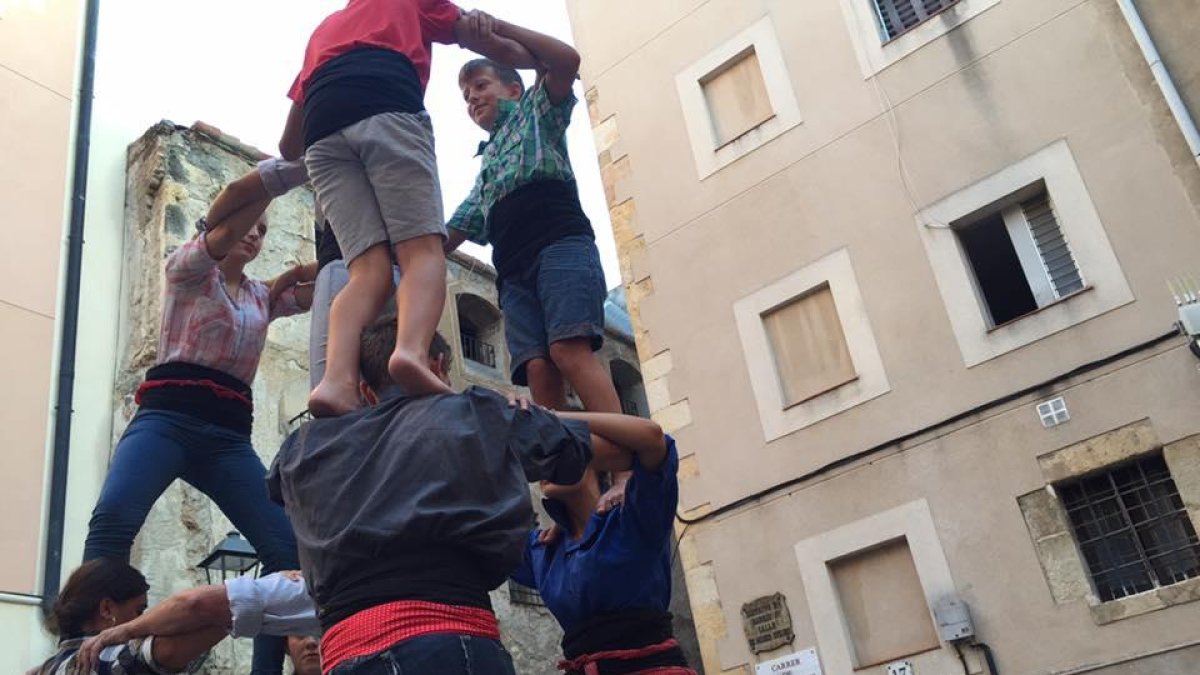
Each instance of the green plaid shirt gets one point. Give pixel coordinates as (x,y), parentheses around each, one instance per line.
(528,144)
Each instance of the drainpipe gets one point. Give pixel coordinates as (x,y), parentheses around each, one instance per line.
(52,566)
(1174,101)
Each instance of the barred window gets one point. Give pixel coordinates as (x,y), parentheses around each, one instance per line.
(1132,528)
(897,17)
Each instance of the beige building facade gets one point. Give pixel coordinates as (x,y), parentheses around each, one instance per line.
(39,60)
(898,272)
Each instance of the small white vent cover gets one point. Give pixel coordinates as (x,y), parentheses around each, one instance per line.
(1053,412)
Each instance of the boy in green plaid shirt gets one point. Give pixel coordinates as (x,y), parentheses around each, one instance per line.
(526,205)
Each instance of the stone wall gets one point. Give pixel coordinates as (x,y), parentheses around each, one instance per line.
(173,174)
(694,592)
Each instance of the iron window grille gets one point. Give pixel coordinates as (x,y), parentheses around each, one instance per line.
(897,17)
(1132,528)
(478,351)
(520,594)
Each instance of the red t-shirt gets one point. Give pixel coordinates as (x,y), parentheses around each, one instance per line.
(409,27)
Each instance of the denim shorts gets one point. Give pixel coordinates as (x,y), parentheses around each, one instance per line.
(561,296)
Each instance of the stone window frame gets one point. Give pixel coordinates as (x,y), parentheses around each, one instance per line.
(495,328)
(778,419)
(709,154)
(912,521)
(1053,538)
(978,340)
(876,52)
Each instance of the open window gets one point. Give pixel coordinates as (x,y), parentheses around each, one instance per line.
(1018,253)
(631,391)
(479,328)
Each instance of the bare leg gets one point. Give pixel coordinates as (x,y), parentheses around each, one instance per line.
(356,306)
(579,365)
(546,384)
(420,297)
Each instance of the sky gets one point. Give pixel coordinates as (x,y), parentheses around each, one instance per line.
(229,63)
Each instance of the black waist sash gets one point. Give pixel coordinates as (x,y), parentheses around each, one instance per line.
(627,630)
(433,574)
(205,393)
(530,218)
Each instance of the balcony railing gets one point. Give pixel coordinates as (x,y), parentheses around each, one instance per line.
(478,351)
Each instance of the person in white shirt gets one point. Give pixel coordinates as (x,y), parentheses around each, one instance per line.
(277,604)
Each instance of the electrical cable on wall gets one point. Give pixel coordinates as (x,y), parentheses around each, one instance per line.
(983,407)
(906,181)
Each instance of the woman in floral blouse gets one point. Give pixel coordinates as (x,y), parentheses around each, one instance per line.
(195,406)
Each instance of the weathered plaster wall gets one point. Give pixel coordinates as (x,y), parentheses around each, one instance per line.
(870,152)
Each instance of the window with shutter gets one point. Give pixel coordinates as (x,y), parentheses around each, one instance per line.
(1019,255)
(809,346)
(897,17)
(1052,245)
(737,97)
(883,604)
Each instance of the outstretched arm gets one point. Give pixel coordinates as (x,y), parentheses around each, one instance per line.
(191,612)
(558,62)
(476,30)
(638,435)
(235,210)
(176,652)
(241,204)
(299,279)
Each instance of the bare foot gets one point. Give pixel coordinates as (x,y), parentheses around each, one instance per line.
(414,375)
(331,400)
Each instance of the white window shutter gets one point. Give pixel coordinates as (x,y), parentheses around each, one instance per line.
(1052,245)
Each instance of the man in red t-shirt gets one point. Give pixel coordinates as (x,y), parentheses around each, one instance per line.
(358,117)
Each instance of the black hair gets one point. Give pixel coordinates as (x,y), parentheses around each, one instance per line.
(506,74)
(376,345)
(90,584)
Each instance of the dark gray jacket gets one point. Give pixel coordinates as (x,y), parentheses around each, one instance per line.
(419,498)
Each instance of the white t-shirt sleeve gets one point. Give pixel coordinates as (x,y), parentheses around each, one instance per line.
(271,605)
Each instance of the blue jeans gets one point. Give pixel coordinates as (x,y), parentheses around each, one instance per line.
(160,446)
(558,298)
(438,654)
